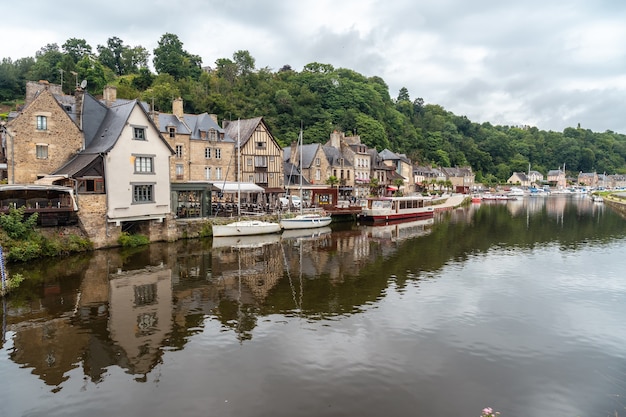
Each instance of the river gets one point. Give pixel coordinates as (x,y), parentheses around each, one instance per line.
(515,305)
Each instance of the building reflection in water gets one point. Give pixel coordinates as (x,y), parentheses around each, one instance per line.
(125,309)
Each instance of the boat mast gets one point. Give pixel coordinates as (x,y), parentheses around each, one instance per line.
(300,168)
(238,168)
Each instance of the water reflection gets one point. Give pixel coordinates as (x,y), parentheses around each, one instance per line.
(128,309)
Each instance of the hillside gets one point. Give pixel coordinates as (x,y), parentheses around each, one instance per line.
(321,98)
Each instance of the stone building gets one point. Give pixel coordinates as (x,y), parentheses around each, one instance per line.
(203,155)
(44,135)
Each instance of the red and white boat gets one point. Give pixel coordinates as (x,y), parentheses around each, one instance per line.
(398,208)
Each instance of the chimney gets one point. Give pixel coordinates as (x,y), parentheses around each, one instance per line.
(335,139)
(177,107)
(214,118)
(79,95)
(294,158)
(110,95)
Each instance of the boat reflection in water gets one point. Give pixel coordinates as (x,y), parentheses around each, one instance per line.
(399,230)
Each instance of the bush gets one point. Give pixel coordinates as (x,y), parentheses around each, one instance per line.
(16,226)
(132,241)
(22,251)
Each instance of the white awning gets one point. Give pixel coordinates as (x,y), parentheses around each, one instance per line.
(233,187)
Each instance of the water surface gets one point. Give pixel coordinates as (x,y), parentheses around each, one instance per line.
(518,306)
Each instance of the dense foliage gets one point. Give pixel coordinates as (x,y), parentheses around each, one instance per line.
(321,98)
(21,241)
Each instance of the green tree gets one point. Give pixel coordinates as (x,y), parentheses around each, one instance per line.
(46,66)
(94,72)
(244,62)
(403,95)
(77,49)
(171,58)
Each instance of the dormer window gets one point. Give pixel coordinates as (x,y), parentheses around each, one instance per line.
(172,132)
(213,135)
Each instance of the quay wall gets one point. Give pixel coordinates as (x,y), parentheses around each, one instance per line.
(617,202)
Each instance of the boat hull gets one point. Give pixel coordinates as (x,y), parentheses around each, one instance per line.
(384,216)
(305,221)
(245,228)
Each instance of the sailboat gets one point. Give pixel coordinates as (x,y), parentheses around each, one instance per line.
(243,227)
(304,220)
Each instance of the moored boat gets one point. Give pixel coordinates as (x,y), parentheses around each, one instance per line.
(245,228)
(396,208)
(305,221)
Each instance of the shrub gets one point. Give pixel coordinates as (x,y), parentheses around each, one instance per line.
(16,226)
(24,251)
(131,241)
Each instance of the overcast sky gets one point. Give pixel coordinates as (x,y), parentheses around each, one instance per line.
(545,63)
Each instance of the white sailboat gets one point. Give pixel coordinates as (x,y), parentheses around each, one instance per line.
(243,227)
(304,220)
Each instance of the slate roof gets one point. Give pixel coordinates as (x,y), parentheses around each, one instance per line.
(521,175)
(77,165)
(292,175)
(456,172)
(169,120)
(308,154)
(244,131)
(334,156)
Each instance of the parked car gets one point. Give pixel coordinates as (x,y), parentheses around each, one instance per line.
(295,201)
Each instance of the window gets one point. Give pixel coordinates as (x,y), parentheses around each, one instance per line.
(143,193)
(207,153)
(42,151)
(318,175)
(144,165)
(213,135)
(249,162)
(271,159)
(218,153)
(218,173)
(180,171)
(172,131)
(179,151)
(250,178)
(317,162)
(90,186)
(260,161)
(207,173)
(260,145)
(260,177)
(42,123)
(145,294)
(139,133)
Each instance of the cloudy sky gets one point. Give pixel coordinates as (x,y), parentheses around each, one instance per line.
(546,63)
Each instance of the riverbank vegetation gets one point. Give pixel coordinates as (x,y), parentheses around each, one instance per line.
(21,241)
(320,97)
